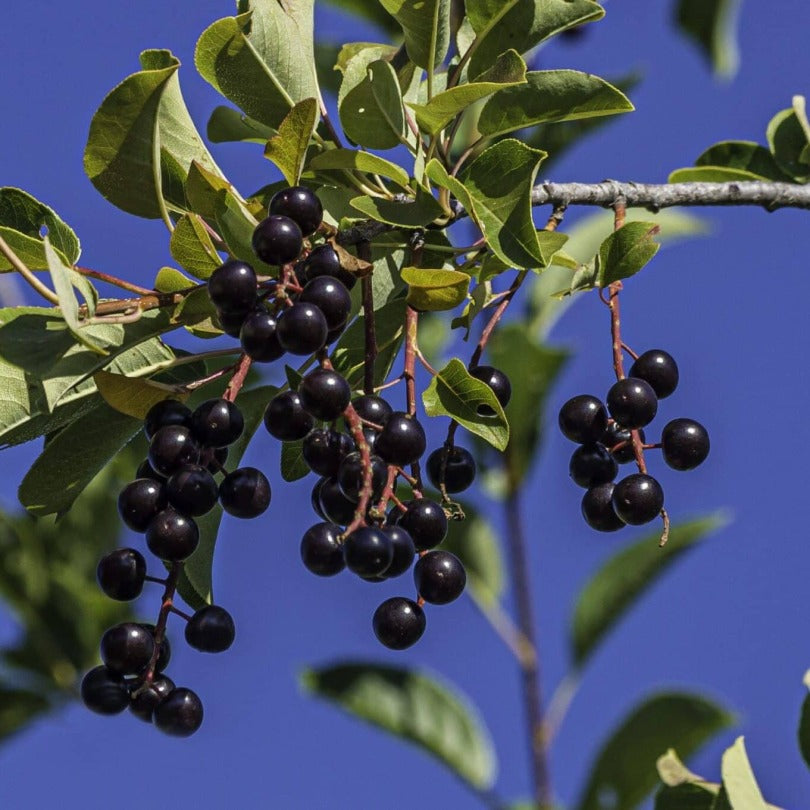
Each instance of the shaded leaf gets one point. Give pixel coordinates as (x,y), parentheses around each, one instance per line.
(289,148)
(192,248)
(712,24)
(616,586)
(293,465)
(362,161)
(738,779)
(227,125)
(745,155)
(426,25)
(433,290)
(235,224)
(412,706)
(18,707)
(788,138)
(626,251)
(412,214)
(203,190)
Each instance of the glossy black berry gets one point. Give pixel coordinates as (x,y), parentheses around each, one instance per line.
(331,297)
(315,498)
(163,413)
(232,287)
(145,698)
(217,423)
(105,691)
(324,261)
(454,467)
(368,551)
(350,476)
(398,623)
(277,240)
(616,435)
(402,440)
(591,465)
(171,448)
(127,648)
(638,499)
(301,205)
(258,337)
(333,334)
(217,458)
(192,490)
(372,409)
(632,402)
(370,436)
(180,713)
(320,550)
(583,419)
(165,651)
(286,419)
(335,506)
(121,574)
(232,322)
(404,551)
(245,493)
(139,501)
(172,536)
(498,382)
(597,509)
(210,629)
(659,369)
(324,449)
(426,523)
(302,329)
(684,444)
(439,577)
(145,471)
(324,393)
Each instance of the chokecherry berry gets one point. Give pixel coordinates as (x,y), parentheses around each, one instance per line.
(165,650)
(597,509)
(591,465)
(139,501)
(315,498)
(399,623)
(350,476)
(302,329)
(453,467)
(324,261)
(180,713)
(402,440)
(105,691)
(425,522)
(324,449)
(331,297)
(145,471)
(217,423)
(659,369)
(192,490)
(211,629)
(245,493)
(632,402)
(171,448)
(439,577)
(218,456)
(684,444)
(232,322)
(404,551)
(286,419)
(121,574)
(258,337)
(144,698)
(232,287)
(301,205)
(372,409)
(324,393)
(498,382)
(127,648)
(320,550)
(172,536)
(615,435)
(335,506)
(166,412)
(277,240)
(368,551)
(637,499)
(583,419)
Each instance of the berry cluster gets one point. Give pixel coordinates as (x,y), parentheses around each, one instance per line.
(613,435)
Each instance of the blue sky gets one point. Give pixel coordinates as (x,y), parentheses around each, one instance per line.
(731,308)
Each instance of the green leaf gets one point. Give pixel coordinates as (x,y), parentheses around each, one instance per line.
(682,789)
(626,251)
(426,25)
(412,706)
(788,138)
(711,24)
(738,779)
(203,191)
(293,464)
(192,248)
(18,707)
(432,290)
(522,24)
(456,393)
(412,214)
(496,191)
(361,161)
(289,148)
(235,224)
(616,586)
(142,141)
(745,155)
(227,125)
(711,174)
(373,12)
(22,221)
(508,70)
(196,584)
(261,60)
(804,724)
(625,771)
(133,396)
(551,95)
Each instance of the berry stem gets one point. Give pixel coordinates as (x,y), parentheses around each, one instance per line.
(163,617)
(356,427)
(411,328)
(364,252)
(388,494)
(505,629)
(116,282)
(159,580)
(181,613)
(238,379)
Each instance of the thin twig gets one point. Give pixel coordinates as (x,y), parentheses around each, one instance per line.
(114,280)
(505,628)
(163,617)
(238,379)
(411,326)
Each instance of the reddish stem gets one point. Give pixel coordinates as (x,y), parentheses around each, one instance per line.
(163,617)
(114,280)
(411,327)
(238,379)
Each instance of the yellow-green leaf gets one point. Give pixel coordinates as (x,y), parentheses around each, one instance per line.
(289,148)
(435,289)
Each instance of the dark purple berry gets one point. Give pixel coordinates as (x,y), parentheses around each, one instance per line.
(426,523)
(638,499)
(121,574)
(597,509)
(583,419)
(335,506)
(172,536)
(192,490)
(368,551)
(232,322)
(286,419)
(245,493)
(324,449)
(615,435)
(632,402)
(398,623)
(258,337)
(402,440)
(591,465)
(180,713)
(277,240)
(232,287)
(324,261)
(210,629)
(145,698)
(105,691)
(139,501)
(659,369)
(324,393)
(404,551)
(301,205)
(315,498)
(350,476)
(320,550)
(218,457)
(333,334)
(171,448)
(331,297)
(145,471)
(498,382)
(372,409)
(217,423)
(127,648)
(302,329)
(165,651)
(453,467)
(163,413)
(684,444)
(439,577)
